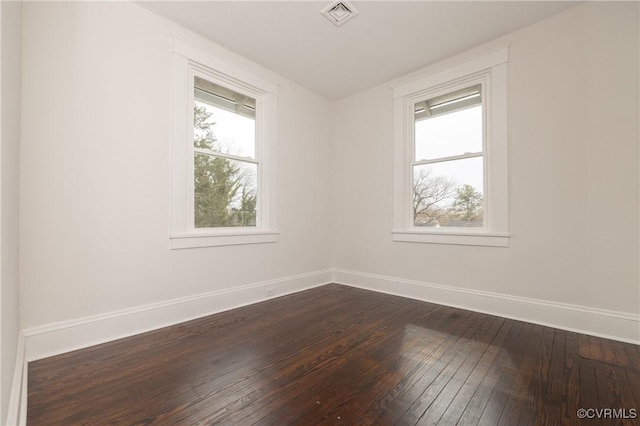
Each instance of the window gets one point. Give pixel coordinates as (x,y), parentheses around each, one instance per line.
(450,149)
(225,166)
(222,155)
(448,178)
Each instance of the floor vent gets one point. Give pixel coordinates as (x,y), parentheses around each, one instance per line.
(339,12)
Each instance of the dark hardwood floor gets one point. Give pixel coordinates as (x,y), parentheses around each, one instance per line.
(340,355)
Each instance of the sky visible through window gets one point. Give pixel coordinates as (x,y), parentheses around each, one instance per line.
(235,134)
(449,135)
(448,190)
(225,189)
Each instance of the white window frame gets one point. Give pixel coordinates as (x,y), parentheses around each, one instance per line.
(187,63)
(489,70)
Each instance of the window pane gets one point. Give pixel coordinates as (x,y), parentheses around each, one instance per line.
(224,192)
(450,134)
(448,194)
(224,120)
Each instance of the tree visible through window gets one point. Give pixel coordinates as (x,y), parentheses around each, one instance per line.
(448,177)
(225,164)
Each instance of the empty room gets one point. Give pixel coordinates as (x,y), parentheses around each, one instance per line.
(319,213)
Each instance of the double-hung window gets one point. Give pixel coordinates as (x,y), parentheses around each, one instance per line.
(225,164)
(223,177)
(450,150)
(447,176)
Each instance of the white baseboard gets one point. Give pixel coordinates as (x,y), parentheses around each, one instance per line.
(66,336)
(596,322)
(16,413)
(53,339)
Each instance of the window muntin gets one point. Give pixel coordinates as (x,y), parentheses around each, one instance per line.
(225,168)
(447,166)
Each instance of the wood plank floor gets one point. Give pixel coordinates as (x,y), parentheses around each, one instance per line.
(343,356)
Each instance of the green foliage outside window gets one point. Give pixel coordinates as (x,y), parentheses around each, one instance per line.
(223,192)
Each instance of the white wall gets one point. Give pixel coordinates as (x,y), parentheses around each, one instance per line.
(95,169)
(94,172)
(10,49)
(573,166)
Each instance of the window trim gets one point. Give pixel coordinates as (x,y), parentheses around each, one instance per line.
(187,63)
(490,70)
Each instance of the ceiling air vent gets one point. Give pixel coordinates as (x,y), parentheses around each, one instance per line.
(339,12)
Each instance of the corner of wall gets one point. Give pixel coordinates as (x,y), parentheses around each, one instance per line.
(10,135)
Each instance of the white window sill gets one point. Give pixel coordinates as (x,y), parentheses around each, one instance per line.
(231,238)
(457,237)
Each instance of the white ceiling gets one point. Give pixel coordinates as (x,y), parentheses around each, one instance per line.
(386,40)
